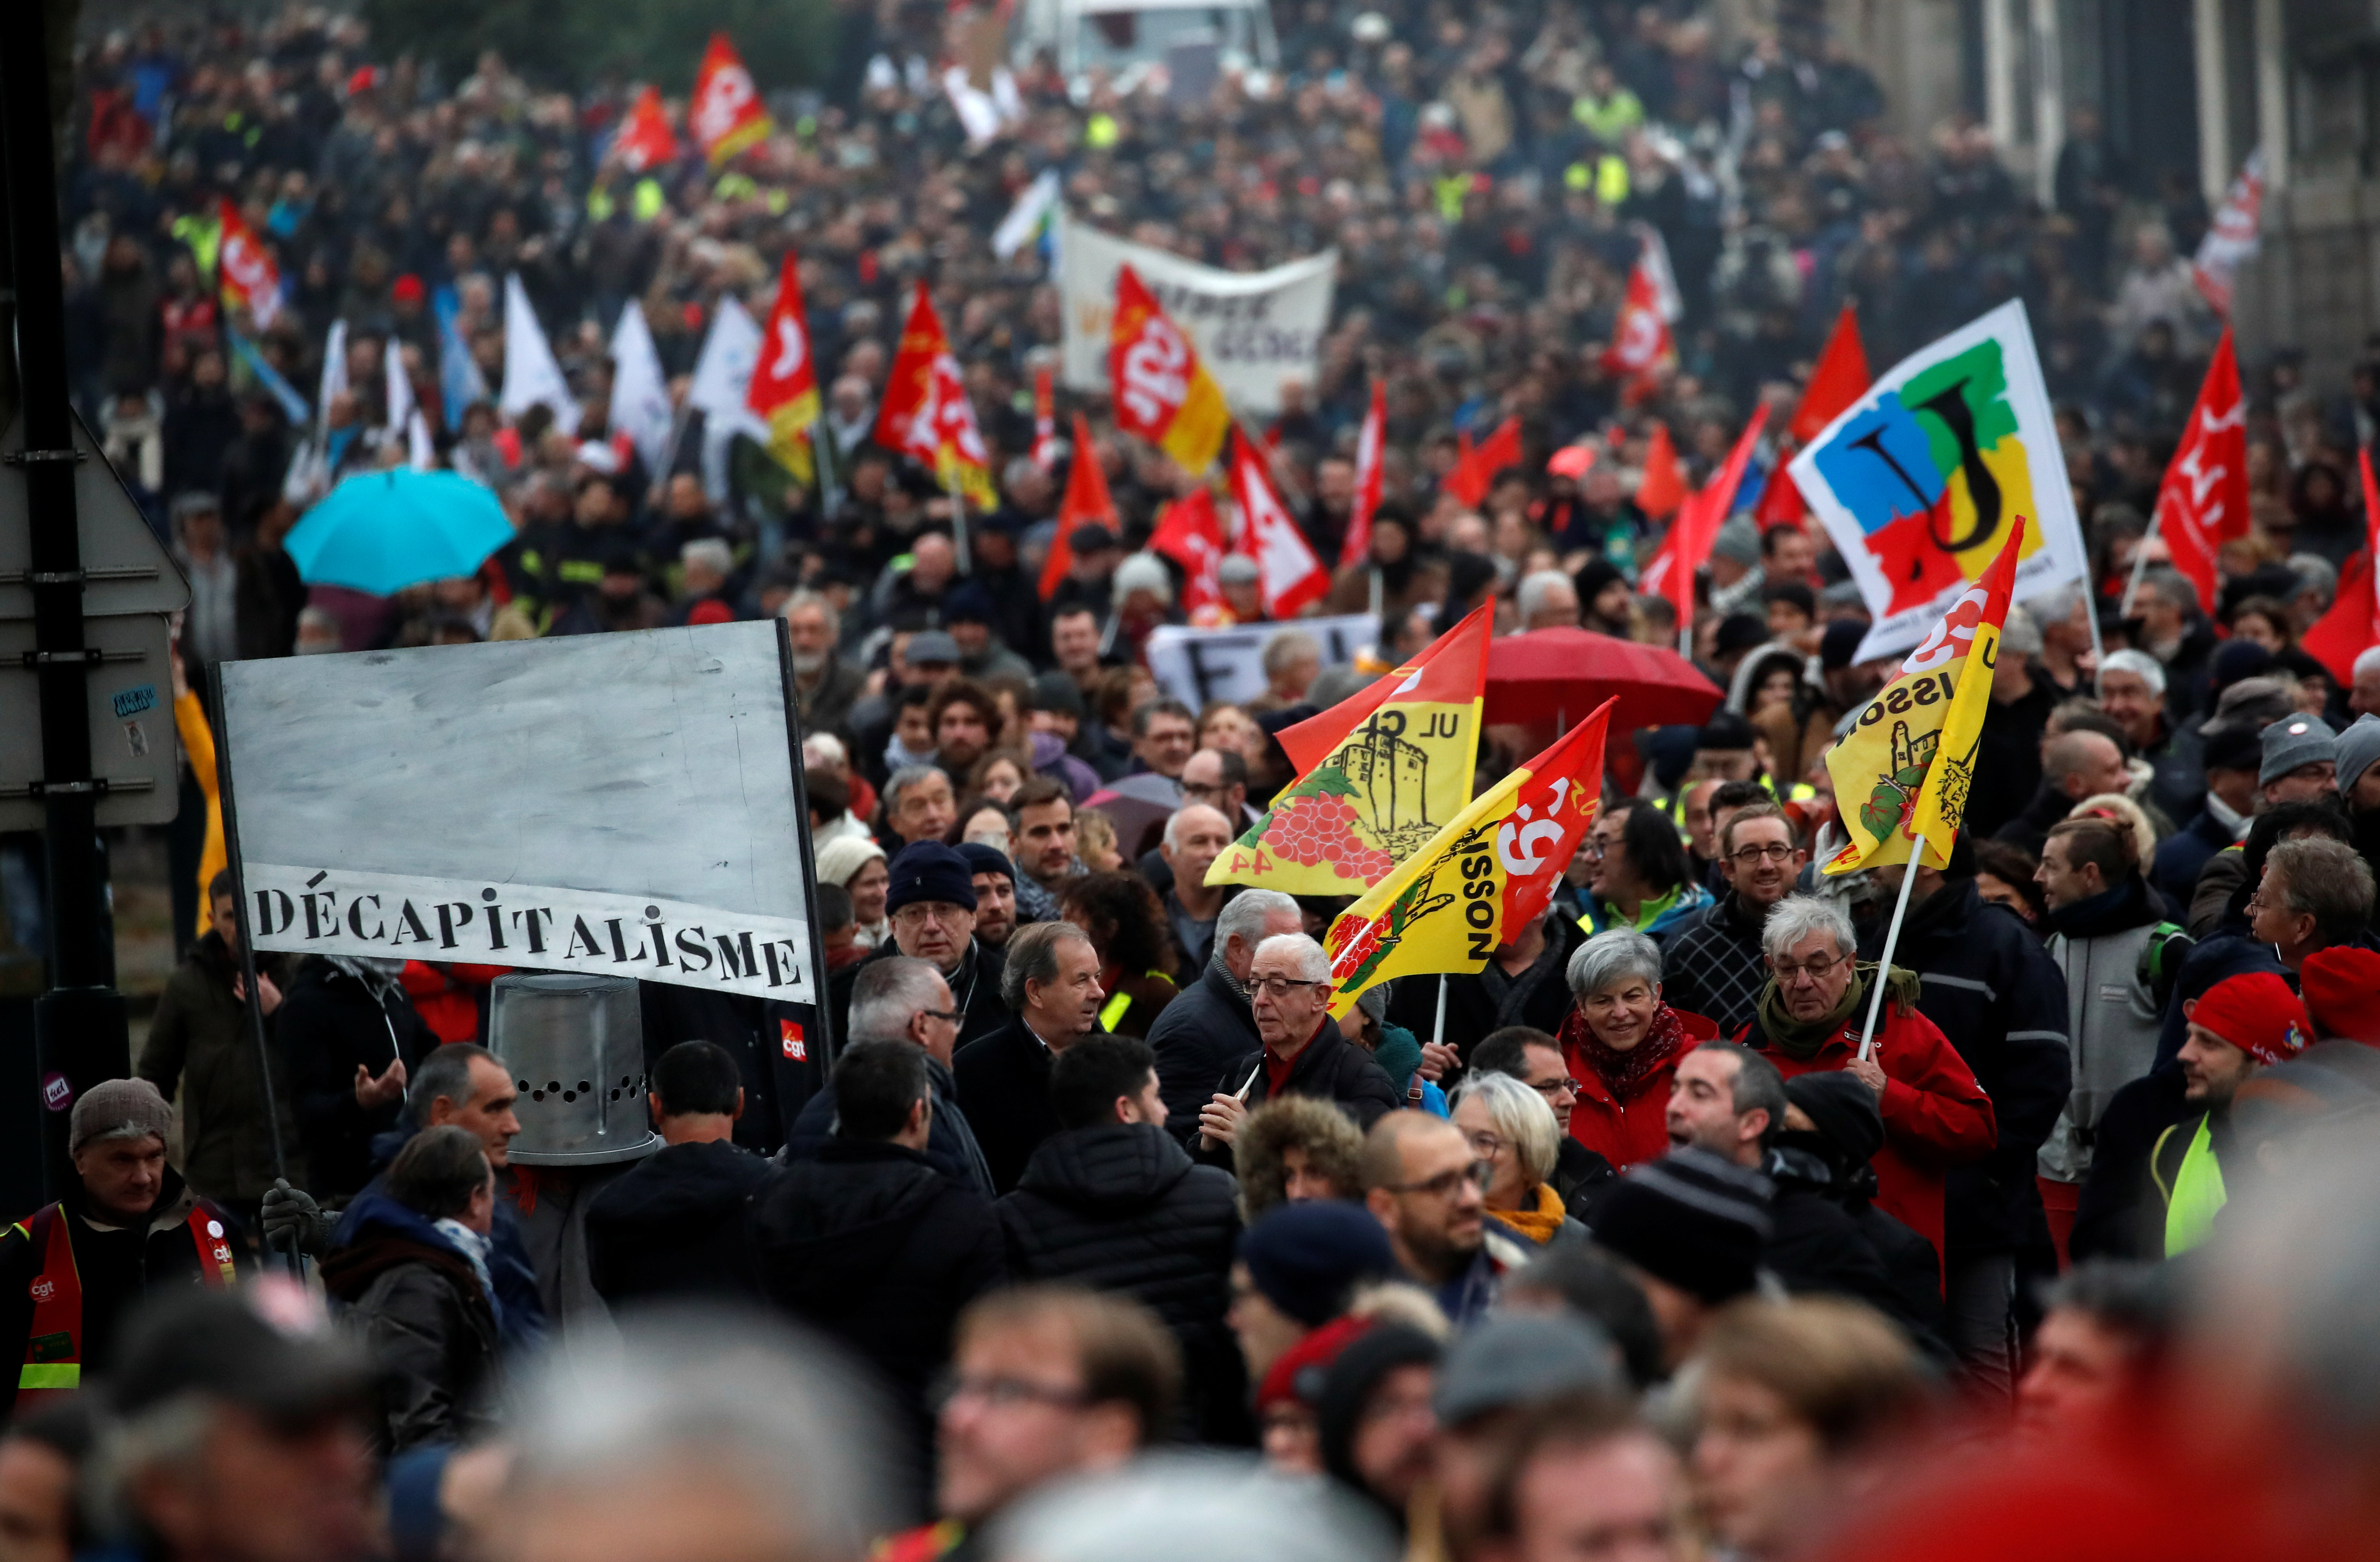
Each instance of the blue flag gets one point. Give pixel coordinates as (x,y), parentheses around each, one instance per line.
(292,403)
(459,380)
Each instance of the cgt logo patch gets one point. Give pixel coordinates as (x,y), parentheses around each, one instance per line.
(45,1288)
(789,1033)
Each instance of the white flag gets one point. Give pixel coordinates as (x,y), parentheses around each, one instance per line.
(723,371)
(1028,217)
(532,378)
(640,405)
(335,370)
(400,388)
(421,453)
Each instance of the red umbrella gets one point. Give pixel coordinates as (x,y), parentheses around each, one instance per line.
(1561,675)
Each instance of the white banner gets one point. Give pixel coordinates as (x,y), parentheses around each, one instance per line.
(313,910)
(1254,330)
(1198,665)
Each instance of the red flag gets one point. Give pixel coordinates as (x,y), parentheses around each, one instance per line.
(925,412)
(1190,534)
(645,140)
(1840,378)
(725,114)
(2352,625)
(1371,446)
(2203,503)
(1476,473)
(784,390)
(1290,575)
(1640,336)
(1161,392)
(1087,500)
(1780,501)
(250,278)
(1045,421)
(1663,487)
(1701,517)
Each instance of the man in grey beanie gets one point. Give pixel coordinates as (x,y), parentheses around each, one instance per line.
(2300,756)
(128,1227)
(2358,785)
(1735,576)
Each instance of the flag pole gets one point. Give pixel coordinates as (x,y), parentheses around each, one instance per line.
(958,518)
(2140,568)
(1891,938)
(1375,591)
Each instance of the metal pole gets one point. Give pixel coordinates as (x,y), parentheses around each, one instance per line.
(1891,937)
(2140,568)
(958,520)
(79,1032)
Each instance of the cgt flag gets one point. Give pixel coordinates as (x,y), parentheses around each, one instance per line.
(1483,878)
(1379,774)
(1163,393)
(2203,503)
(646,141)
(1371,448)
(925,413)
(251,280)
(784,388)
(1888,783)
(725,114)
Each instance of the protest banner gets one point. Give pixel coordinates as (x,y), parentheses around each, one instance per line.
(623,804)
(1254,330)
(1196,666)
(1920,481)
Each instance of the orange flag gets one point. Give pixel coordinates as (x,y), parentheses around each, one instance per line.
(1087,500)
(1663,487)
(1163,393)
(784,381)
(1476,473)
(925,412)
(725,114)
(646,141)
(1701,517)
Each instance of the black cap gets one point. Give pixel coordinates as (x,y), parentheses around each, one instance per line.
(1091,538)
(1738,632)
(1690,1220)
(968,602)
(1056,693)
(1843,1109)
(2234,748)
(218,1343)
(1840,643)
(1725,730)
(988,859)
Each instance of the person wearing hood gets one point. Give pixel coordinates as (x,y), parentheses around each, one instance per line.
(1111,1201)
(672,1225)
(868,1243)
(1772,691)
(351,1035)
(1832,1120)
(411,1279)
(2103,917)
(1377,1426)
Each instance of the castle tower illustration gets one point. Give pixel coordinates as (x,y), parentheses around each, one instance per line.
(1391,777)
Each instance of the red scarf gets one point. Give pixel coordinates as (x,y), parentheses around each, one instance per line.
(1626,1074)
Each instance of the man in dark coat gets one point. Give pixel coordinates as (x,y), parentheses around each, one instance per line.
(930,902)
(199,1042)
(1052,982)
(1714,967)
(1113,1203)
(2000,1002)
(868,1243)
(673,1224)
(1302,1053)
(126,1227)
(1208,1023)
(2233,757)
(905,1000)
(411,1279)
(774,1045)
(346,1027)
(1832,1118)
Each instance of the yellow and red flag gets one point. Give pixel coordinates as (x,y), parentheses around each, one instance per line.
(1087,500)
(784,390)
(725,114)
(1379,774)
(646,141)
(250,281)
(1045,421)
(1906,766)
(1163,393)
(925,413)
(1481,879)
(1641,345)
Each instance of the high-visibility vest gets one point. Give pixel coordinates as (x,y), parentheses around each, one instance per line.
(2197,1194)
(1113,1011)
(54,1345)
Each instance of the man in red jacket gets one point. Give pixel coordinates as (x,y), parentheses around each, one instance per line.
(1936,1117)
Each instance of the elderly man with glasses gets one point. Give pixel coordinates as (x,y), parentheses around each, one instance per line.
(1714,967)
(1302,1051)
(929,900)
(1936,1116)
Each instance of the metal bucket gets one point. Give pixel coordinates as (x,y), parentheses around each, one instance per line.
(575,1048)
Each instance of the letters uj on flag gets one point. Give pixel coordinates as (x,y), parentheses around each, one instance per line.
(1480,879)
(1892,780)
(1919,482)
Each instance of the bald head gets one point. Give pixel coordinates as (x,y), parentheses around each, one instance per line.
(1402,1137)
(2086,764)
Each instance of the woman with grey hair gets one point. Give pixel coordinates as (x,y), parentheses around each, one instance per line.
(1623,1042)
(1511,1129)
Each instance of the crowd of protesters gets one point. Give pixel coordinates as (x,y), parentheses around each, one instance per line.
(1623,1245)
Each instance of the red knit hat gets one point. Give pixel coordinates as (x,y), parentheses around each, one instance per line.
(1298,1374)
(2256,1013)
(2342,993)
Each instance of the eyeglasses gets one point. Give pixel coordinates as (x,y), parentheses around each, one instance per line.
(1815,970)
(1486,1145)
(1442,1186)
(1553,1087)
(1004,1393)
(946,913)
(948,1016)
(1278,987)
(1203,789)
(1750,857)
(1589,846)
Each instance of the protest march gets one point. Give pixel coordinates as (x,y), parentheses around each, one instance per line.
(1167,783)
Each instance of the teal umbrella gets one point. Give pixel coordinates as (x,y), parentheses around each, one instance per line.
(380,532)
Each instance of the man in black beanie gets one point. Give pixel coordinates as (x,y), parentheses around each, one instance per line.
(930,902)
(1375,1419)
(1690,1229)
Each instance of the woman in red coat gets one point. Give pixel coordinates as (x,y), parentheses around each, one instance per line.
(1623,1044)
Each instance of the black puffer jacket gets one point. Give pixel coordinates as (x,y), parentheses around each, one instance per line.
(871,1244)
(672,1225)
(1122,1207)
